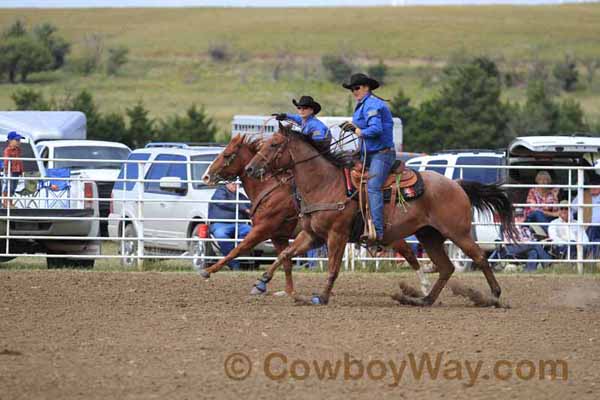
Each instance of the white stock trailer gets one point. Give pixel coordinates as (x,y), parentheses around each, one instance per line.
(267,125)
(49,217)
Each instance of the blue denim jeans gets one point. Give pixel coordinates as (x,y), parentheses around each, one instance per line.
(539,217)
(379,165)
(593,233)
(221,230)
(533,252)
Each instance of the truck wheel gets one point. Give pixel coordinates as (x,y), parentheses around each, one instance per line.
(57,262)
(198,249)
(129,248)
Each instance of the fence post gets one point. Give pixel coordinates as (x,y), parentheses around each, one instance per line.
(8,205)
(140,216)
(346,255)
(580,183)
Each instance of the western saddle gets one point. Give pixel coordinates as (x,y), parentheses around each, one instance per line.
(408,177)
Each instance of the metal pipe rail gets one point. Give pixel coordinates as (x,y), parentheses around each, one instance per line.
(173,228)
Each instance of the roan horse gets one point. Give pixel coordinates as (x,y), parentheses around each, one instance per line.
(443,211)
(274,214)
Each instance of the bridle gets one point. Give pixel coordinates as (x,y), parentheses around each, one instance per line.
(228,159)
(281,147)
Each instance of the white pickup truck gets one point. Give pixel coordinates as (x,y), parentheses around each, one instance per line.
(55,215)
(103,169)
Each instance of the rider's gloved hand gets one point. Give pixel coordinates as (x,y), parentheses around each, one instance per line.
(280,116)
(348,126)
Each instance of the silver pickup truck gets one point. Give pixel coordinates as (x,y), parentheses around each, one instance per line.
(51,213)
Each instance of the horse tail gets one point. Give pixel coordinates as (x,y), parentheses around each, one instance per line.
(492,198)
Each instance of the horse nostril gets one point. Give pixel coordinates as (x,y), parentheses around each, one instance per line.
(249,170)
(206,179)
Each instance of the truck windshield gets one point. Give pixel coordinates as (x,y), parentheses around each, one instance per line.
(198,169)
(92,153)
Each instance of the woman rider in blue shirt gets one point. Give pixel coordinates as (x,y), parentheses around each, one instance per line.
(372,121)
(311,127)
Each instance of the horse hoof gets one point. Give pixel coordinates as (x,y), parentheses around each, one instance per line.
(409,300)
(204,274)
(302,300)
(257,292)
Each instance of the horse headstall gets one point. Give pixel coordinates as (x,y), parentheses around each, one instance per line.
(281,147)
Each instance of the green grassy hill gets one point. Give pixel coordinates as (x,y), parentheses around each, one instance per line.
(170,67)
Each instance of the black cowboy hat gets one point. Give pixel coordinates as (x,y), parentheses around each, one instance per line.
(308,101)
(361,79)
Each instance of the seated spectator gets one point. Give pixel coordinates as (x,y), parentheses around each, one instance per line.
(541,195)
(591,215)
(317,252)
(563,234)
(533,251)
(227,230)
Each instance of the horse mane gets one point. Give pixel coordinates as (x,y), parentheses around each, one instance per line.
(253,140)
(340,160)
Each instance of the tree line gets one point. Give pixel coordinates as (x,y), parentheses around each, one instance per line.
(468,112)
(24,51)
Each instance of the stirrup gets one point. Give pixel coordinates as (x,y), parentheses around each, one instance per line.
(370,241)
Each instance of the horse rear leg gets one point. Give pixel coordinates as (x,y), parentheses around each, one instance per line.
(433,242)
(409,255)
(471,249)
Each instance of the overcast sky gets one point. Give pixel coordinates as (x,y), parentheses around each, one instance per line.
(255,3)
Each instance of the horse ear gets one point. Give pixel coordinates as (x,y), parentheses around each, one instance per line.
(281,127)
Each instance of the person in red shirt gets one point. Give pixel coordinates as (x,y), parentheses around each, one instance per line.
(12,168)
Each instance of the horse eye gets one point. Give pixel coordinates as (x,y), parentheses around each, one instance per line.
(274,145)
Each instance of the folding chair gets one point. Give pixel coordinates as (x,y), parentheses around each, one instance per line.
(56,193)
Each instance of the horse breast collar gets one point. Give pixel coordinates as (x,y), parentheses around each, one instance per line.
(266,192)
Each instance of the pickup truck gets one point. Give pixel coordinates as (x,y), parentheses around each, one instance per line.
(104,169)
(55,216)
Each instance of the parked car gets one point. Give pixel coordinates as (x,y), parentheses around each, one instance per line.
(47,206)
(104,173)
(163,198)
(455,165)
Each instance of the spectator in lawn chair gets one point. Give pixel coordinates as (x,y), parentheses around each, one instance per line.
(226,210)
(541,195)
(563,235)
(12,168)
(528,250)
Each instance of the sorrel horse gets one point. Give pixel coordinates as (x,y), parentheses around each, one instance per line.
(443,211)
(274,214)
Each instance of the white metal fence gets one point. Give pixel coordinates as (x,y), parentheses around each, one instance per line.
(28,227)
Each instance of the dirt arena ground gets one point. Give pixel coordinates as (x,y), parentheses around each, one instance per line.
(101,335)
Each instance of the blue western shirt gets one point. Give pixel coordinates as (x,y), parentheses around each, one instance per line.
(227,210)
(313,127)
(372,115)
